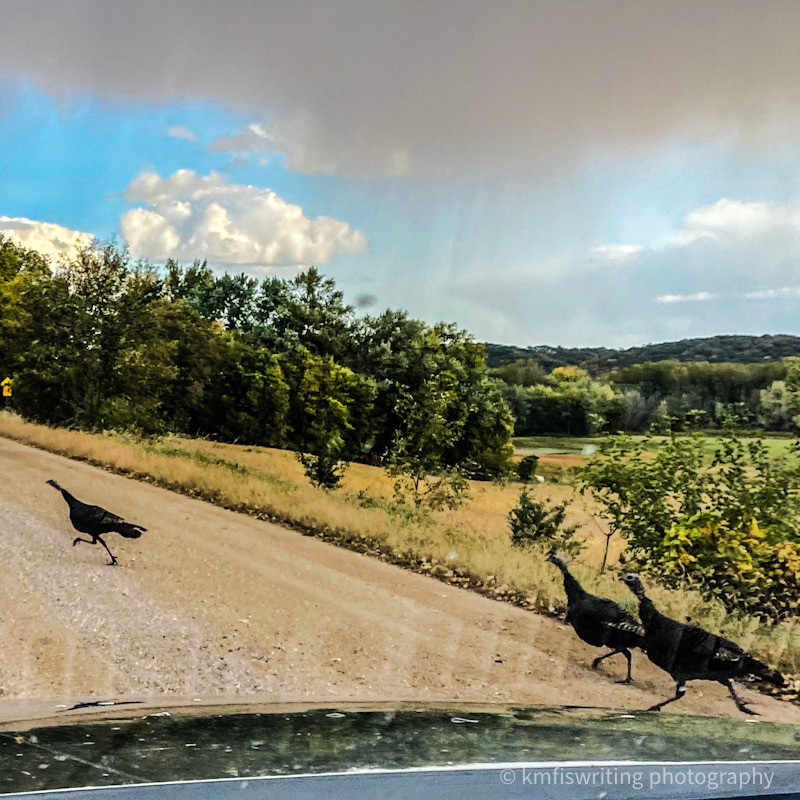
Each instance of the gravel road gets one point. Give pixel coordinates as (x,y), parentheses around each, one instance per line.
(209,603)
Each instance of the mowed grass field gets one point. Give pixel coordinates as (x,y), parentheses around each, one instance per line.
(469,546)
(577,445)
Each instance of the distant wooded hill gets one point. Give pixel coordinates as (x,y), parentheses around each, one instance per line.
(597,360)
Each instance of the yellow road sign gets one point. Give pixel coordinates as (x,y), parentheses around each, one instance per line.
(6,384)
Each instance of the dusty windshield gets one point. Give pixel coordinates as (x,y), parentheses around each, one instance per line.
(400,353)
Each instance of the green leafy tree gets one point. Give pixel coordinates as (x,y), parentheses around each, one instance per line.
(98,280)
(190,402)
(483,448)
(780,403)
(273,327)
(319,317)
(143,371)
(39,346)
(778,409)
(524,372)
(641,414)
(404,356)
(433,418)
(250,395)
(329,414)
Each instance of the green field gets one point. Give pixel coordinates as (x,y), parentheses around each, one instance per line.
(546,445)
(542,445)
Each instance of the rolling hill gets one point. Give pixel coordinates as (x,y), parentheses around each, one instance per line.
(715,349)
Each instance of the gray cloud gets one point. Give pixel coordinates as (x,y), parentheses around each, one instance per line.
(362,87)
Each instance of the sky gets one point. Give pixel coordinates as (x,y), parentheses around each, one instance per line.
(564,172)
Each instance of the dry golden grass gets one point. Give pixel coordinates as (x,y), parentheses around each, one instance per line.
(469,546)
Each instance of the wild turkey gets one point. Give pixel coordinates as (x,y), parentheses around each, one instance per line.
(689,653)
(599,621)
(96,521)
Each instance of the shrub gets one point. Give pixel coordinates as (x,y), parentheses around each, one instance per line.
(644,497)
(526,469)
(447,489)
(725,522)
(325,468)
(534,523)
(745,567)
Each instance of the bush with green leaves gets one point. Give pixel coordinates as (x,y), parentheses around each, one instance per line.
(526,469)
(745,567)
(538,523)
(725,518)
(325,468)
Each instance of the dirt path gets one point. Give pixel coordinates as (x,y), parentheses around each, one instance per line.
(211,603)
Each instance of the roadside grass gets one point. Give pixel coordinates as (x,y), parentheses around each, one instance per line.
(468,547)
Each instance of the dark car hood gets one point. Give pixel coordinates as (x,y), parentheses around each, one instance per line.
(138,743)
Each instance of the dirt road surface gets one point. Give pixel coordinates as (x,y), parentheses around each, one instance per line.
(211,603)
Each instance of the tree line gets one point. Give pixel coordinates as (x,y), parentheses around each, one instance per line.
(664,395)
(102,342)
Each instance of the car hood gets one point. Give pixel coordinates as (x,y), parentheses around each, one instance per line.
(138,742)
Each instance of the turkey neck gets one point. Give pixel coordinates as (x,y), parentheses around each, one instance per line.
(571,586)
(647,611)
(71,499)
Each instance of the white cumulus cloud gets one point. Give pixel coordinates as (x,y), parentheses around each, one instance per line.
(728,221)
(49,239)
(187,216)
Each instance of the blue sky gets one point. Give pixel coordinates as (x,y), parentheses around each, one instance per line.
(545,186)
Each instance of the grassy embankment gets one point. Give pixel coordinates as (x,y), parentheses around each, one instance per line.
(469,547)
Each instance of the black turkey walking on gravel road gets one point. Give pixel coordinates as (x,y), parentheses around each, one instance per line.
(689,653)
(95,521)
(599,621)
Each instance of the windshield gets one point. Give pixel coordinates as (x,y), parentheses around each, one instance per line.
(402,354)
